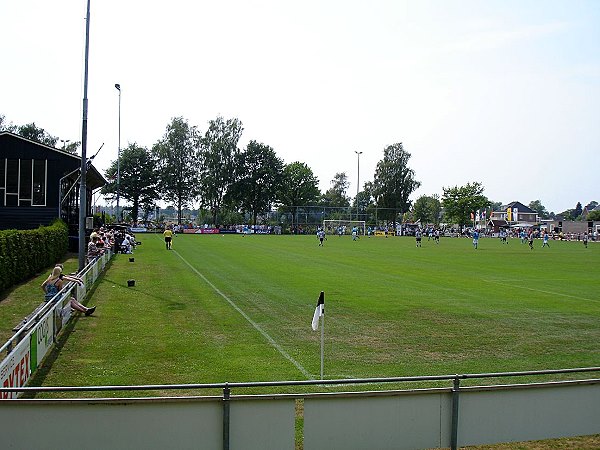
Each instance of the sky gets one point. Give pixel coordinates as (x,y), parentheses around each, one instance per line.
(505,92)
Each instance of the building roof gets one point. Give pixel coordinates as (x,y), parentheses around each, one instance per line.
(520,207)
(94,178)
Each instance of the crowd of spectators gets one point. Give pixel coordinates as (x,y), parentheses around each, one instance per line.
(101,239)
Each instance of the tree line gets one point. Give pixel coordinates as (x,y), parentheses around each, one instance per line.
(186,167)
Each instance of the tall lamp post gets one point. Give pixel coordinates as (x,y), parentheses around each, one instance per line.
(357,179)
(118,86)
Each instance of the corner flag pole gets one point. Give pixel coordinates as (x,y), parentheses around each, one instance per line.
(320,313)
(322,342)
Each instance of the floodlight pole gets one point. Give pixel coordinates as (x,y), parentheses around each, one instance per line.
(82,184)
(118,86)
(357,179)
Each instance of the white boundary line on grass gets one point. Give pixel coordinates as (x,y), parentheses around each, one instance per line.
(254,324)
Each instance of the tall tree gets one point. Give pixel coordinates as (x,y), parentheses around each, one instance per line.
(34,133)
(336,194)
(177,161)
(460,202)
(394,182)
(537,206)
(138,178)
(299,187)
(5,125)
(258,175)
(578,210)
(365,201)
(594,215)
(218,150)
(427,209)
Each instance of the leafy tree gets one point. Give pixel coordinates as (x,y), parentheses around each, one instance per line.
(299,187)
(594,215)
(578,211)
(34,133)
(427,209)
(567,214)
(72,147)
(460,202)
(366,206)
(258,175)
(540,209)
(6,126)
(495,206)
(177,161)
(394,181)
(336,194)
(138,178)
(218,150)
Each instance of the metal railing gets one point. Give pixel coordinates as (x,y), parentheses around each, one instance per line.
(227,389)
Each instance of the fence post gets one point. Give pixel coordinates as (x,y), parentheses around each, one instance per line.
(226,405)
(454,430)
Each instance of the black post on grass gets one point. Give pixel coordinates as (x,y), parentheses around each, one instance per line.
(454,427)
(226,406)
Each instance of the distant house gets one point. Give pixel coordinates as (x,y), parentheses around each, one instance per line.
(516,214)
(572,226)
(39,183)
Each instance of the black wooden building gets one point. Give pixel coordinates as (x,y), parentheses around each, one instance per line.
(39,183)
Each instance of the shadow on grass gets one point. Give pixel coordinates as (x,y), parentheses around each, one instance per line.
(168,304)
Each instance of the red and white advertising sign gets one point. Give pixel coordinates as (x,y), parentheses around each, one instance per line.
(16,368)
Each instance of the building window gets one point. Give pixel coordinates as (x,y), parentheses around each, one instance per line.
(23,182)
(2,180)
(39,183)
(12,176)
(25,175)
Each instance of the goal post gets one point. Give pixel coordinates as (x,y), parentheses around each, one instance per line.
(336,226)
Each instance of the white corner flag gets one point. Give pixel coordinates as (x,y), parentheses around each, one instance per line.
(319,311)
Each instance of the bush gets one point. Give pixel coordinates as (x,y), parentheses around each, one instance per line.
(24,253)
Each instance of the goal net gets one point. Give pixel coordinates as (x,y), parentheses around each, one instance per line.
(335,226)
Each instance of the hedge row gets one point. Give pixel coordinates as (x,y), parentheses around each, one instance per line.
(25,253)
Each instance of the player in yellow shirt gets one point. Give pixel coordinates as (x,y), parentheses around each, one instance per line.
(168,234)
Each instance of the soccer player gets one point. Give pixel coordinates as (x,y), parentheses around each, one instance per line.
(585,239)
(418,237)
(168,234)
(531,240)
(321,236)
(545,244)
(475,239)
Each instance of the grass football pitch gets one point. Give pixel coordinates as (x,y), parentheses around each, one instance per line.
(222,308)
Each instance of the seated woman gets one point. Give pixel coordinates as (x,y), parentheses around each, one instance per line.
(55,282)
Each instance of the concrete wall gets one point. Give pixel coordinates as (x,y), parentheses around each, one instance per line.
(382,420)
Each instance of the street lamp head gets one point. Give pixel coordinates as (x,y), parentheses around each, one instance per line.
(118,86)
(357,152)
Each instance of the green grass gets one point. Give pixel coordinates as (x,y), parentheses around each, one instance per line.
(391,310)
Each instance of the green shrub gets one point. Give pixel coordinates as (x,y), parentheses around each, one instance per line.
(24,253)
